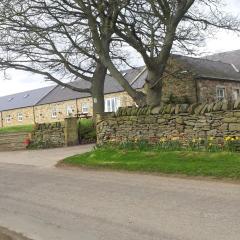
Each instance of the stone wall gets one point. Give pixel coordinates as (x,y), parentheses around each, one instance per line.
(48,135)
(207,89)
(184,122)
(180,86)
(58,134)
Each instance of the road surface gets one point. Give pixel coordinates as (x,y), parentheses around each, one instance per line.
(45,158)
(73,204)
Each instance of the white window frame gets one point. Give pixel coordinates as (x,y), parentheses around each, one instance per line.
(112,104)
(8,118)
(85,108)
(220,96)
(54,113)
(20,117)
(69,111)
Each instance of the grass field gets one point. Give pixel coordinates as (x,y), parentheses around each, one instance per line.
(211,164)
(23,128)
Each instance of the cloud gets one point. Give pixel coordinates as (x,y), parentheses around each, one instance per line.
(18,81)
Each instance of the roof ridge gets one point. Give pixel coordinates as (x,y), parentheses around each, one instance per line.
(205,59)
(214,54)
(35,89)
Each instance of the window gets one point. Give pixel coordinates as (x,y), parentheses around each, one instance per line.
(84,108)
(112,104)
(69,111)
(20,117)
(8,119)
(220,93)
(54,113)
(236,94)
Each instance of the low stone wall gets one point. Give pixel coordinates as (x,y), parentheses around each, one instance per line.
(58,134)
(48,135)
(183,122)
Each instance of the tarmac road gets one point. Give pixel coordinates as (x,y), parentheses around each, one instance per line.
(74,204)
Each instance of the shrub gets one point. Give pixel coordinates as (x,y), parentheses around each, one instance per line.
(87,131)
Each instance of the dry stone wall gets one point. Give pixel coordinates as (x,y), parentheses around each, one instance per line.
(48,135)
(58,134)
(182,121)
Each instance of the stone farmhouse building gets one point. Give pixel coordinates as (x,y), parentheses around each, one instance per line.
(187,80)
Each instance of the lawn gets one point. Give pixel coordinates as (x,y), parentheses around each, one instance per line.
(21,128)
(188,163)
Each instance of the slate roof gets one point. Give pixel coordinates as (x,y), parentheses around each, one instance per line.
(24,99)
(227,57)
(111,86)
(204,68)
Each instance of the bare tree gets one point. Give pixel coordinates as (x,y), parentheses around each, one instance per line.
(75,39)
(155,28)
(102,18)
(51,38)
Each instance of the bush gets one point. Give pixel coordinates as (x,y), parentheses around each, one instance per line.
(87,131)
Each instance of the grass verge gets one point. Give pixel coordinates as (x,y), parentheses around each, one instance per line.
(21,128)
(210,164)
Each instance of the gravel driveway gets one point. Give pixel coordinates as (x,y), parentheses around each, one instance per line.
(46,158)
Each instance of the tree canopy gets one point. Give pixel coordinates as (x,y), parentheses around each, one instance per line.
(67,40)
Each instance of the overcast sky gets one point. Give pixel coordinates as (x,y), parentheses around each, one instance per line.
(22,81)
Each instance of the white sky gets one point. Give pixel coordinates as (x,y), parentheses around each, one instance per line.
(21,81)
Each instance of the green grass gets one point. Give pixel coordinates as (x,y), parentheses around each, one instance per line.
(211,164)
(22,128)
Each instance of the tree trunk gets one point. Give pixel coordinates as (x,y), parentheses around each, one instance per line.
(97,89)
(154,87)
(138,97)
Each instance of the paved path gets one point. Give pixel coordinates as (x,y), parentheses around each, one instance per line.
(42,158)
(58,204)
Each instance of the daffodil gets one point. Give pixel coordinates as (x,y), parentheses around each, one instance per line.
(227,138)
